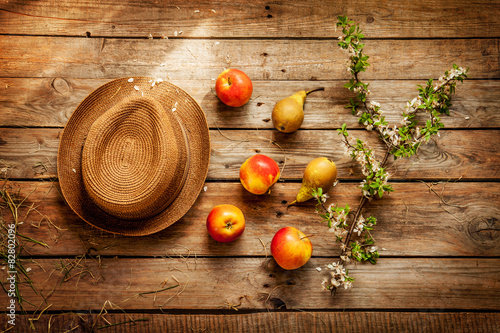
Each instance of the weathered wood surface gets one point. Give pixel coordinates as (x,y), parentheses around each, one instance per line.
(194,59)
(259,284)
(32,153)
(451,219)
(269,322)
(250,19)
(49,102)
(438,233)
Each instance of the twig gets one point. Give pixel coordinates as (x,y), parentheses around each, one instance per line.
(123,322)
(440,196)
(158,291)
(231,306)
(364,200)
(264,246)
(271,292)
(31,320)
(230,139)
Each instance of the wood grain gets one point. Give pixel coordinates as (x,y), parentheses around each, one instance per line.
(412,221)
(48,102)
(259,284)
(194,59)
(250,19)
(438,234)
(32,153)
(297,322)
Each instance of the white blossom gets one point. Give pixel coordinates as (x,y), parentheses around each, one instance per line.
(338,277)
(335,282)
(345,258)
(359,226)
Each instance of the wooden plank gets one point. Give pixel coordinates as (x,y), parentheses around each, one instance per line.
(455,154)
(250,19)
(297,322)
(465,223)
(40,102)
(194,59)
(257,283)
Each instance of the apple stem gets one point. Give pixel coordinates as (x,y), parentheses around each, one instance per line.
(229,80)
(317,89)
(301,238)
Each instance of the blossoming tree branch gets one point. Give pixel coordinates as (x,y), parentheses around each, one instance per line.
(434,100)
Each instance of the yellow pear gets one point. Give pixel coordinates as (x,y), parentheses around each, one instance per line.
(320,173)
(288,114)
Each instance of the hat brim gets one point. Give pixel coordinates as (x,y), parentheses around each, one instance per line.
(69,170)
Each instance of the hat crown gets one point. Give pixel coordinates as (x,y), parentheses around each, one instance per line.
(183,180)
(135,159)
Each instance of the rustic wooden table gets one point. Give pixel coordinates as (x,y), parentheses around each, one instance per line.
(439,231)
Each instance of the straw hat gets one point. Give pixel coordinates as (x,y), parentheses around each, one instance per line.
(134,156)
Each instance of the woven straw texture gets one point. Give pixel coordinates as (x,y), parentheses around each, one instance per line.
(133,157)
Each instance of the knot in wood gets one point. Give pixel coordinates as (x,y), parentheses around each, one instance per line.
(484,230)
(60,85)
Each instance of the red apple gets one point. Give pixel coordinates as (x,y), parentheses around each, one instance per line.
(259,173)
(225,223)
(291,248)
(233,87)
